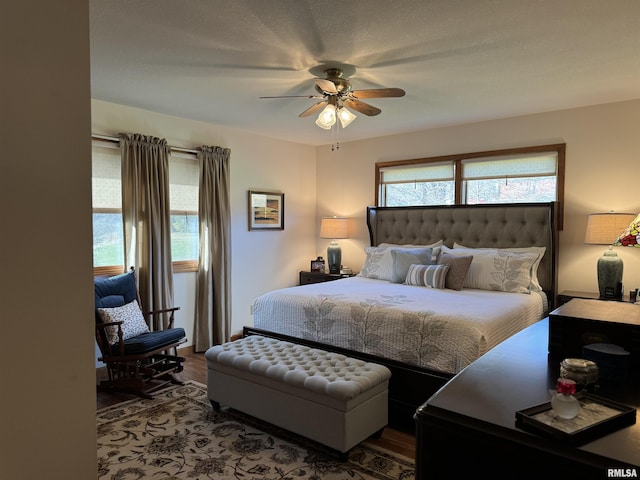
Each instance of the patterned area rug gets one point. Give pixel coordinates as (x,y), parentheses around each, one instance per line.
(178,435)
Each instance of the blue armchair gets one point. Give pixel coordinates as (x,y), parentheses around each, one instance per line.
(138,360)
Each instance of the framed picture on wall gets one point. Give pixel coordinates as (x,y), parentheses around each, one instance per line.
(266,210)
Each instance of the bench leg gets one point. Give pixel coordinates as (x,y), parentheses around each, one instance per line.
(378,434)
(215,405)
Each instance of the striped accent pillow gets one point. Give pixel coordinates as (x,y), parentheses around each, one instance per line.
(432,276)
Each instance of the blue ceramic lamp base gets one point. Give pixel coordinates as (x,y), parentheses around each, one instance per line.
(610,275)
(334,257)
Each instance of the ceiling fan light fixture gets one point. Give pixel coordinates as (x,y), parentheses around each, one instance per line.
(327,117)
(346,117)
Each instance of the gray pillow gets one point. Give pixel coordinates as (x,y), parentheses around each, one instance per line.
(403,258)
(458,268)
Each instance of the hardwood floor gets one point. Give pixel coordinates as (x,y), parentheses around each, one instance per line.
(195,368)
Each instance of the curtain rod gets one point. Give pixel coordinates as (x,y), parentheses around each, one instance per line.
(108,138)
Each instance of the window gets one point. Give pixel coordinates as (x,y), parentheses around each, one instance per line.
(408,185)
(108,236)
(522,175)
(510,178)
(183,199)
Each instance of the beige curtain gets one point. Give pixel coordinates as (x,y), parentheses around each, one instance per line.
(146,216)
(213,303)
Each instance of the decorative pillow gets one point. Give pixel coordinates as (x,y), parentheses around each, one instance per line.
(132,318)
(432,276)
(458,268)
(535,283)
(376,264)
(379,263)
(499,270)
(402,259)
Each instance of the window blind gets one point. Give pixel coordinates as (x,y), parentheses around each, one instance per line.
(106,190)
(183,184)
(441,171)
(541,165)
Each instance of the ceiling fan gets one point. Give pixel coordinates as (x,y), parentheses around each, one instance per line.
(335,93)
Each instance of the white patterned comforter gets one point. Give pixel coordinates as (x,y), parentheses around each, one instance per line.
(442,330)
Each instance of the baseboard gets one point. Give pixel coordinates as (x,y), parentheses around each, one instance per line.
(191,349)
(186,350)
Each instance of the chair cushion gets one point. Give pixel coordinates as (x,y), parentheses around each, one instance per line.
(152,340)
(132,318)
(107,289)
(111,301)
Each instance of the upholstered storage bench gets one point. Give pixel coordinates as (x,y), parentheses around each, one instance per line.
(335,400)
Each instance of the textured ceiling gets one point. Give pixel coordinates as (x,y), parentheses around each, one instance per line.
(459,61)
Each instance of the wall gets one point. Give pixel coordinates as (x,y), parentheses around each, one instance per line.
(602,158)
(261,260)
(48,400)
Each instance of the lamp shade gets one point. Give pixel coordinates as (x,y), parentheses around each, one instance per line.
(604,228)
(327,117)
(334,227)
(346,117)
(630,236)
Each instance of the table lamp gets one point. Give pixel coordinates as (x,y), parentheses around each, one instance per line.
(334,228)
(604,229)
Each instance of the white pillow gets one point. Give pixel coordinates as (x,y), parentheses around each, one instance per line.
(132,318)
(535,283)
(377,265)
(498,269)
(403,258)
(431,276)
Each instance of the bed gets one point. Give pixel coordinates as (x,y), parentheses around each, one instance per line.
(426,333)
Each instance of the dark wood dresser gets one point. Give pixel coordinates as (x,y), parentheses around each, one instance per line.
(468,428)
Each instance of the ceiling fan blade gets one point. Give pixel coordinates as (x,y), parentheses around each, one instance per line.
(378,93)
(361,107)
(327,86)
(313,109)
(294,96)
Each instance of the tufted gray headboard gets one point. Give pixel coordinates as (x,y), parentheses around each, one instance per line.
(500,226)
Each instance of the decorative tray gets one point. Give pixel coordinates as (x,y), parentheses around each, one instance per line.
(598,417)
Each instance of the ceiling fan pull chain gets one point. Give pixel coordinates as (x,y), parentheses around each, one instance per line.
(334,130)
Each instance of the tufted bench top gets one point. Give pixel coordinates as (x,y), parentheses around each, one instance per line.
(318,371)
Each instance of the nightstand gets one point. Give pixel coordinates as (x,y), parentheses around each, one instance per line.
(566,295)
(318,277)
